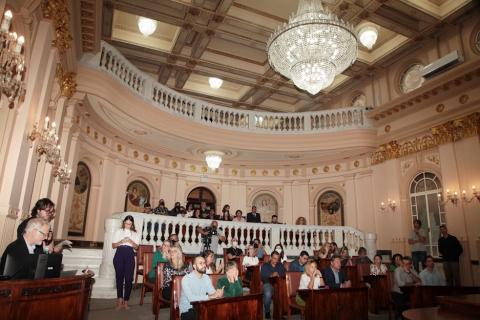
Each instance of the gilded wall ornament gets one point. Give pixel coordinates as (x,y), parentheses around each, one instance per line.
(447,132)
(356,164)
(234,172)
(265,173)
(296,172)
(338,167)
(104,140)
(463,98)
(156,160)
(57,11)
(66,81)
(253,173)
(388,128)
(314,170)
(193,168)
(146,157)
(174,164)
(135,154)
(440,108)
(276,172)
(119,147)
(326,169)
(204,169)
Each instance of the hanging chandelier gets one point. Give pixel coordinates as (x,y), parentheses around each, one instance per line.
(213,158)
(313,48)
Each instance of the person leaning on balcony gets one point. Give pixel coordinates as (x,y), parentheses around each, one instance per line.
(161,209)
(225,216)
(254,216)
(238,216)
(274,219)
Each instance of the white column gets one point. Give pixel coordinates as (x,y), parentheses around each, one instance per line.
(371,244)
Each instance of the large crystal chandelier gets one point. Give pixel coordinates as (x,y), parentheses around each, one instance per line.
(213,158)
(313,48)
(46,142)
(12,62)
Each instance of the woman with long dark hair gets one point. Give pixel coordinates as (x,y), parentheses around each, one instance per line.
(226,213)
(125,241)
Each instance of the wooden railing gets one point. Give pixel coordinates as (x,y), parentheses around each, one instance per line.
(111,61)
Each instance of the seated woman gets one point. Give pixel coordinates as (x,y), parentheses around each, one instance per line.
(310,279)
(238,216)
(324,250)
(159,256)
(377,267)
(231,283)
(396,262)
(250,259)
(345,257)
(279,248)
(174,267)
(210,263)
(234,252)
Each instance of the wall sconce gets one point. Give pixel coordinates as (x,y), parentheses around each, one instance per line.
(451,197)
(392,204)
(475,195)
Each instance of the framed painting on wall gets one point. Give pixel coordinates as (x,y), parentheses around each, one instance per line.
(137,195)
(330,209)
(81,195)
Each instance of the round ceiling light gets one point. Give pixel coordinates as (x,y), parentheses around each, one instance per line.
(368,36)
(213,158)
(215,83)
(147,26)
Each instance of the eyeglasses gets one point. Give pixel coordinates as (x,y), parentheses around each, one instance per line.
(42,233)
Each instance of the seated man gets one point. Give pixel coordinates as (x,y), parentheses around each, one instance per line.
(299,263)
(430,276)
(270,270)
(234,252)
(36,230)
(196,286)
(335,277)
(403,276)
(230,283)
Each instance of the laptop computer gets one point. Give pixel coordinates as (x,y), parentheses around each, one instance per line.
(33,266)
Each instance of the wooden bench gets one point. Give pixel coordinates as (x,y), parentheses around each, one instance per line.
(379,292)
(46,299)
(147,285)
(143,248)
(426,296)
(279,299)
(341,304)
(293,283)
(247,307)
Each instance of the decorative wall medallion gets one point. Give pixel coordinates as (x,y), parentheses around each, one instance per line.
(440,107)
(156,160)
(276,172)
(216,171)
(463,98)
(405,165)
(433,158)
(338,167)
(265,173)
(104,140)
(204,169)
(296,172)
(253,173)
(388,128)
(146,157)
(356,164)
(411,78)
(119,147)
(326,169)
(234,172)
(88,129)
(174,164)
(193,168)
(314,170)
(95,135)
(135,154)
(77,120)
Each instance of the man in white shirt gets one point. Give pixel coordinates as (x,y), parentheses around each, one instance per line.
(430,276)
(403,276)
(417,240)
(196,286)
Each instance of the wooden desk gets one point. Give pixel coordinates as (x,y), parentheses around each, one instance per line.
(468,304)
(46,299)
(255,281)
(341,304)
(434,313)
(280,301)
(379,292)
(426,296)
(248,307)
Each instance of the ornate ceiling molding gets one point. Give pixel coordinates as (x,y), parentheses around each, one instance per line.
(66,81)
(448,132)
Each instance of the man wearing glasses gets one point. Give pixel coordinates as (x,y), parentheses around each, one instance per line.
(403,276)
(36,231)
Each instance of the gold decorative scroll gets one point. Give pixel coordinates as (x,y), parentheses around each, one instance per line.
(57,11)
(447,132)
(66,81)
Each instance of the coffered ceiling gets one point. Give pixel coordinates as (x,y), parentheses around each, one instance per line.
(197,39)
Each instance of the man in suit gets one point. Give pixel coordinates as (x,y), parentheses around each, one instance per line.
(30,243)
(335,277)
(254,216)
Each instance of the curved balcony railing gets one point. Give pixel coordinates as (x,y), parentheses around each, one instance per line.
(111,61)
(294,238)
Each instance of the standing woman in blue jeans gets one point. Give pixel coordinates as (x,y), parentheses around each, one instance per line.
(125,240)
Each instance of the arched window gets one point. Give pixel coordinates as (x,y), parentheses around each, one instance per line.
(427,207)
(330,209)
(81,195)
(197,195)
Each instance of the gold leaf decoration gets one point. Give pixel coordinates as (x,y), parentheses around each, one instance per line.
(326,169)
(57,11)
(119,147)
(156,160)
(265,173)
(135,154)
(234,172)
(448,132)
(296,172)
(356,163)
(193,168)
(146,157)
(253,173)
(66,81)
(174,164)
(104,140)
(314,170)
(276,172)
(204,169)
(338,167)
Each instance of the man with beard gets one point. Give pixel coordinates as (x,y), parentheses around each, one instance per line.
(210,236)
(196,286)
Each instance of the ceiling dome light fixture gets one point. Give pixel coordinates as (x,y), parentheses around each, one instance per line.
(368,36)
(147,26)
(313,48)
(213,158)
(215,83)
